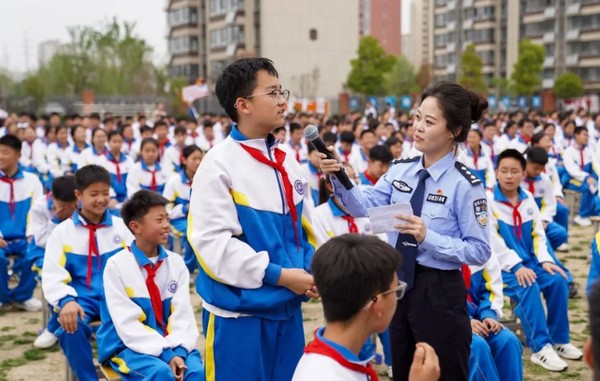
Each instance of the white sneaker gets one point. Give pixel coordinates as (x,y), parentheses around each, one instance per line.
(548,359)
(45,340)
(563,247)
(389,372)
(568,351)
(582,221)
(30,305)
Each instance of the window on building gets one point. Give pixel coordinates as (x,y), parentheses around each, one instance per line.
(222,7)
(222,37)
(312,34)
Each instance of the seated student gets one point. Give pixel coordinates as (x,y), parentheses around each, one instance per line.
(280,135)
(378,164)
(495,350)
(346,147)
(311,173)
(489,141)
(520,245)
(395,146)
(171,160)
(356,278)
(295,146)
(146,173)
(46,213)
(147,280)
(594,273)
(58,153)
(76,253)
(474,158)
(78,136)
(523,139)
(161,134)
(95,153)
(207,139)
(561,217)
(510,132)
(118,165)
(129,142)
(18,189)
(366,142)
(582,169)
(177,191)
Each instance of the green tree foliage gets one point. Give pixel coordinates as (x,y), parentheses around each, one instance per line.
(108,61)
(568,85)
(526,74)
(471,70)
(424,77)
(369,68)
(400,80)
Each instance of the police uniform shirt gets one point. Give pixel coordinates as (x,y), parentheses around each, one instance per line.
(454,209)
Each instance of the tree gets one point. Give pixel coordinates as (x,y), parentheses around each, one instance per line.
(424,77)
(369,68)
(502,86)
(471,68)
(526,73)
(400,80)
(568,85)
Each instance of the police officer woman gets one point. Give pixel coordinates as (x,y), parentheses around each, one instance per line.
(448,228)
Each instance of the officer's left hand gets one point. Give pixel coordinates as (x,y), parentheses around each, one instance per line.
(551,268)
(414,225)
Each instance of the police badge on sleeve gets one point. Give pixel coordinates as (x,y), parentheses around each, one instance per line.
(480,209)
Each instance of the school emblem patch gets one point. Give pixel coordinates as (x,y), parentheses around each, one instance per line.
(117,239)
(480,209)
(401,186)
(299,187)
(172,286)
(530,211)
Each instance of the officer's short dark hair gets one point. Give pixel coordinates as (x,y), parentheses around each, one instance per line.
(349,270)
(12,142)
(139,204)
(381,153)
(512,154)
(537,155)
(63,188)
(238,80)
(91,174)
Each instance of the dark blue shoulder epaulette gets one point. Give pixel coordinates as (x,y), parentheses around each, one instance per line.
(471,178)
(407,160)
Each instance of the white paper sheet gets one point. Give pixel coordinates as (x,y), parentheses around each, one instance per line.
(383,218)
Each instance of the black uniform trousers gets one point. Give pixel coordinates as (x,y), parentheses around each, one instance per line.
(435,312)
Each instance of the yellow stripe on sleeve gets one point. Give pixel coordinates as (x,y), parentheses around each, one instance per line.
(210,371)
(310,234)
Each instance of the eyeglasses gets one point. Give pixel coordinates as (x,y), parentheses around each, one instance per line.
(400,290)
(275,95)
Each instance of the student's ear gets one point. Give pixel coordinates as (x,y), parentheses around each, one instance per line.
(241,106)
(377,307)
(134,226)
(78,195)
(588,355)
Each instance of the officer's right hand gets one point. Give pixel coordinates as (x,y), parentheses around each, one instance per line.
(296,280)
(68,316)
(329,166)
(525,276)
(425,365)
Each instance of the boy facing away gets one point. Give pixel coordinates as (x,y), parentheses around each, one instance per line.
(148,324)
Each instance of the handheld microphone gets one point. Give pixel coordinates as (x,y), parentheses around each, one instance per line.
(311,133)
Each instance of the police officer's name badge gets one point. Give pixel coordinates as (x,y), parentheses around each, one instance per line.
(480,210)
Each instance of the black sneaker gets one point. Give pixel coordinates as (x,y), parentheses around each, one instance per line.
(573,290)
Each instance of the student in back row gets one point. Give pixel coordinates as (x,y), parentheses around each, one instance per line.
(76,253)
(149,281)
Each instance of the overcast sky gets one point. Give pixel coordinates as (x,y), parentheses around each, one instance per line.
(24,24)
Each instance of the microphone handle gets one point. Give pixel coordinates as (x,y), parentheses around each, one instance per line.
(341,175)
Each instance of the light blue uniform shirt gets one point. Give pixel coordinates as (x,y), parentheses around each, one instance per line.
(454,210)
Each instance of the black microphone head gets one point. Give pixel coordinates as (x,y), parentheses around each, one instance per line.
(311,132)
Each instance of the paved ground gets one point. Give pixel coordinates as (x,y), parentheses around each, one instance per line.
(20,361)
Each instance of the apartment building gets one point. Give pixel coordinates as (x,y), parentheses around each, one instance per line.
(186,38)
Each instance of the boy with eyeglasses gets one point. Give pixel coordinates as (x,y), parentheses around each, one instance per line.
(356,278)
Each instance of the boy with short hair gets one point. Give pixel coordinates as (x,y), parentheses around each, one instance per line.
(356,278)
(76,253)
(161,133)
(18,189)
(248,230)
(360,160)
(295,146)
(171,160)
(378,164)
(519,243)
(160,345)
(47,212)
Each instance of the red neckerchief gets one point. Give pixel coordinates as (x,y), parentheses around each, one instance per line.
(517,220)
(319,347)
(297,149)
(153,184)
(116,162)
(92,249)
(526,139)
(531,187)
(352,228)
(466,273)
(369,178)
(154,292)
(161,147)
(287,185)
(12,204)
(475,159)
(581,157)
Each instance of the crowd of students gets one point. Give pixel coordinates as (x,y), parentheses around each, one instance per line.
(95,206)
